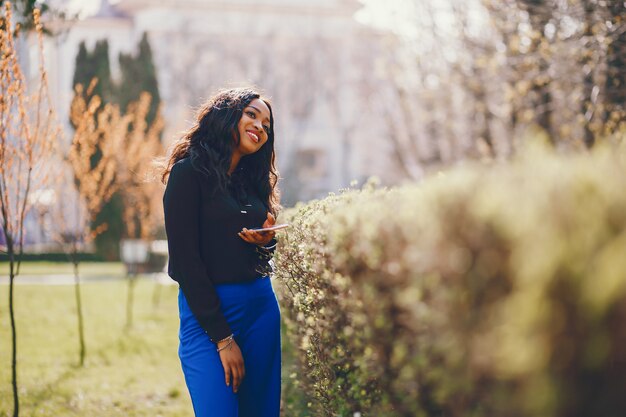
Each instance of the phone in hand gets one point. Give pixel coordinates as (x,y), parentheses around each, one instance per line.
(271,228)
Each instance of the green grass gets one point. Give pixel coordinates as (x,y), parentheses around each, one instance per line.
(58,268)
(126,374)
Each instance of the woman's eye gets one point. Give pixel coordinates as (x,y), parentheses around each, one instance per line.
(251,114)
(267,129)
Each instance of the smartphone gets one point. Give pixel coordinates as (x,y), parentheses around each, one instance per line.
(269,229)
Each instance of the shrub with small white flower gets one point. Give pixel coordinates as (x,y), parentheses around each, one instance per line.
(489,290)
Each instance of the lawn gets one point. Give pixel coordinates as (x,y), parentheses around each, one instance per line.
(134,373)
(128,374)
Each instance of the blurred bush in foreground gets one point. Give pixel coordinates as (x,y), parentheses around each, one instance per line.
(493,290)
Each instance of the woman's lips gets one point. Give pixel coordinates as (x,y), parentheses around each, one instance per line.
(253,136)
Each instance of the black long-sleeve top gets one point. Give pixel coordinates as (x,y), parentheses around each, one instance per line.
(204,249)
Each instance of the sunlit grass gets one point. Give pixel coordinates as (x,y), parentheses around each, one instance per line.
(126,374)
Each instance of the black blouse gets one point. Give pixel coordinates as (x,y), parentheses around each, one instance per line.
(204,248)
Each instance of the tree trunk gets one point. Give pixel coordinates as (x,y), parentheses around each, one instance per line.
(544,118)
(540,13)
(482,113)
(129,299)
(12,274)
(616,62)
(587,105)
(541,86)
(79,309)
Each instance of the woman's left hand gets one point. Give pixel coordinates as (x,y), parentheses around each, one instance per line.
(259,238)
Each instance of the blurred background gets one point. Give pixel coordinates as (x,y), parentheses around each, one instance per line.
(392,89)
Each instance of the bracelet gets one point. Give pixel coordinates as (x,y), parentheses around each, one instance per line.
(227,345)
(230,342)
(270,247)
(226,338)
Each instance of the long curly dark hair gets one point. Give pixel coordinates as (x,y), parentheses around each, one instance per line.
(209,144)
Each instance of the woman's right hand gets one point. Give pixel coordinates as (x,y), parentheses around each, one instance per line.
(232,361)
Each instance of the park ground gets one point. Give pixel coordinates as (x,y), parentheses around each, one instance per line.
(128,373)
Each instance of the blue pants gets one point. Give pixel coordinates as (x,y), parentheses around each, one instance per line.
(252,312)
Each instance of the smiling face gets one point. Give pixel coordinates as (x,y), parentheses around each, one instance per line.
(253,127)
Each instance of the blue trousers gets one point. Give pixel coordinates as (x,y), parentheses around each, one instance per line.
(252,312)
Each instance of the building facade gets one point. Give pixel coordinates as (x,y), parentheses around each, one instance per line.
(313,59)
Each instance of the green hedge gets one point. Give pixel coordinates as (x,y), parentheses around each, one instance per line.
(54,257)
(155,263)
(493,290)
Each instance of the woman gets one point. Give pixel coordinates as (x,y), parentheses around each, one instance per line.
(221,182)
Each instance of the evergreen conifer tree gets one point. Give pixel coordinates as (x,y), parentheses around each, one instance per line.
(81,70)
(90,65)
(95,64)
(139,75)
